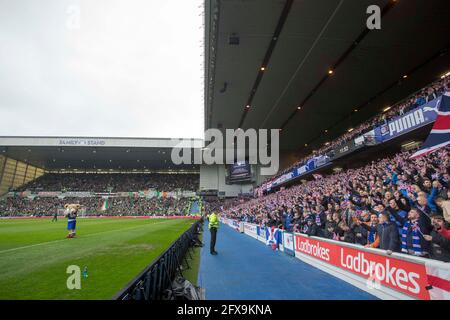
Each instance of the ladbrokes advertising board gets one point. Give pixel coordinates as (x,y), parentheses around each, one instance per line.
(407,277)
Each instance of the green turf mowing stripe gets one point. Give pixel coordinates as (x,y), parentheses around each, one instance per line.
(89,235)
(114,252)
(11,234)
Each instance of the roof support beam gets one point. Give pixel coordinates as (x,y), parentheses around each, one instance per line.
(266,59)
(335,65)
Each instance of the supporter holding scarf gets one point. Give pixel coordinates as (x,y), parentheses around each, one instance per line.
(373,239)
(412,236)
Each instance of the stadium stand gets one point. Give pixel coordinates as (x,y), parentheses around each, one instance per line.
(50,192)
(112,182)
(415,100)
(349,201)
(117,206)
(411,194)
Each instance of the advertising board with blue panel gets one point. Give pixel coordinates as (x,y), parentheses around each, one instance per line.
(401,276)
(269,236)
(251,230)
(311,164)
(288,243)
(237,225)
(261,233)
(408,122)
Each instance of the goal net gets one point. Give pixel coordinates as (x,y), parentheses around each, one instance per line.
(81,212)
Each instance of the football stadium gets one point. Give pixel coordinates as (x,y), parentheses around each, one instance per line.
(225,150)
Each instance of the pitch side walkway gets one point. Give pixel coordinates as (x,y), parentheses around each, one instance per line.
(246,269)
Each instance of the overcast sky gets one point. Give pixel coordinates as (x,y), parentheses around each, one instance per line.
(122,68)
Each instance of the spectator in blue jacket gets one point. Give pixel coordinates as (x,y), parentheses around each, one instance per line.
(430,191)
(397,215)
(388,232)
(287,221)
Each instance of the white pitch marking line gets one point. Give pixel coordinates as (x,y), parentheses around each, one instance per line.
(86,236)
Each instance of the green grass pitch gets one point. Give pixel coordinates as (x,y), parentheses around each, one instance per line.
(34,255)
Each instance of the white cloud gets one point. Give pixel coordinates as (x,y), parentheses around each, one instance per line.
(122,68)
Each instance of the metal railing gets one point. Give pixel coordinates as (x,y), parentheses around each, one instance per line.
(151,283)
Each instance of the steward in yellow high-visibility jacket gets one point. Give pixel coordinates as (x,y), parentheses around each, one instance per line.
(213,226)
(213,221)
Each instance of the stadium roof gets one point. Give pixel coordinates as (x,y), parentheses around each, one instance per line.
(298,43)
(93,153)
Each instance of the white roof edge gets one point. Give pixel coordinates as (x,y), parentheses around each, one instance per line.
(100,142)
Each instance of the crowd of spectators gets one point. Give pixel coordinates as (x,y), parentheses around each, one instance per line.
(113,182)
(116,206)
(418,99)
(218,205)
(103,183)
(397,204)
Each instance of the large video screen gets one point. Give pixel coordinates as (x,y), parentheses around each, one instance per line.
(239,172)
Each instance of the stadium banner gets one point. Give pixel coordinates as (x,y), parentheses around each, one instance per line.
(311,164)
(346,148)
(410,121)
(123,194)
(367,138)
(207,193)
(106,194)
(188,194)
(381,132)
(403,273)
(251,230)
(321,160)
(175,217)
(107,217)
(77,194)
(48,194)
(288,243)
(261,231)
(301,170)
(24,194)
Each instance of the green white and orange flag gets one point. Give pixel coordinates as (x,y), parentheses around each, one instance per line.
(105,204)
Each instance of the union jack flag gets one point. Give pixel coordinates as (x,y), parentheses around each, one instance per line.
(440,133)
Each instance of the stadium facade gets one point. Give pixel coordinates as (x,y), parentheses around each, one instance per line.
(24,159)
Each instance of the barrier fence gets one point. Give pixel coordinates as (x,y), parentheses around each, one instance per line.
(394,276)
(151,283)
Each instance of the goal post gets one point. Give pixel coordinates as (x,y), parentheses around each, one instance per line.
(81,212)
